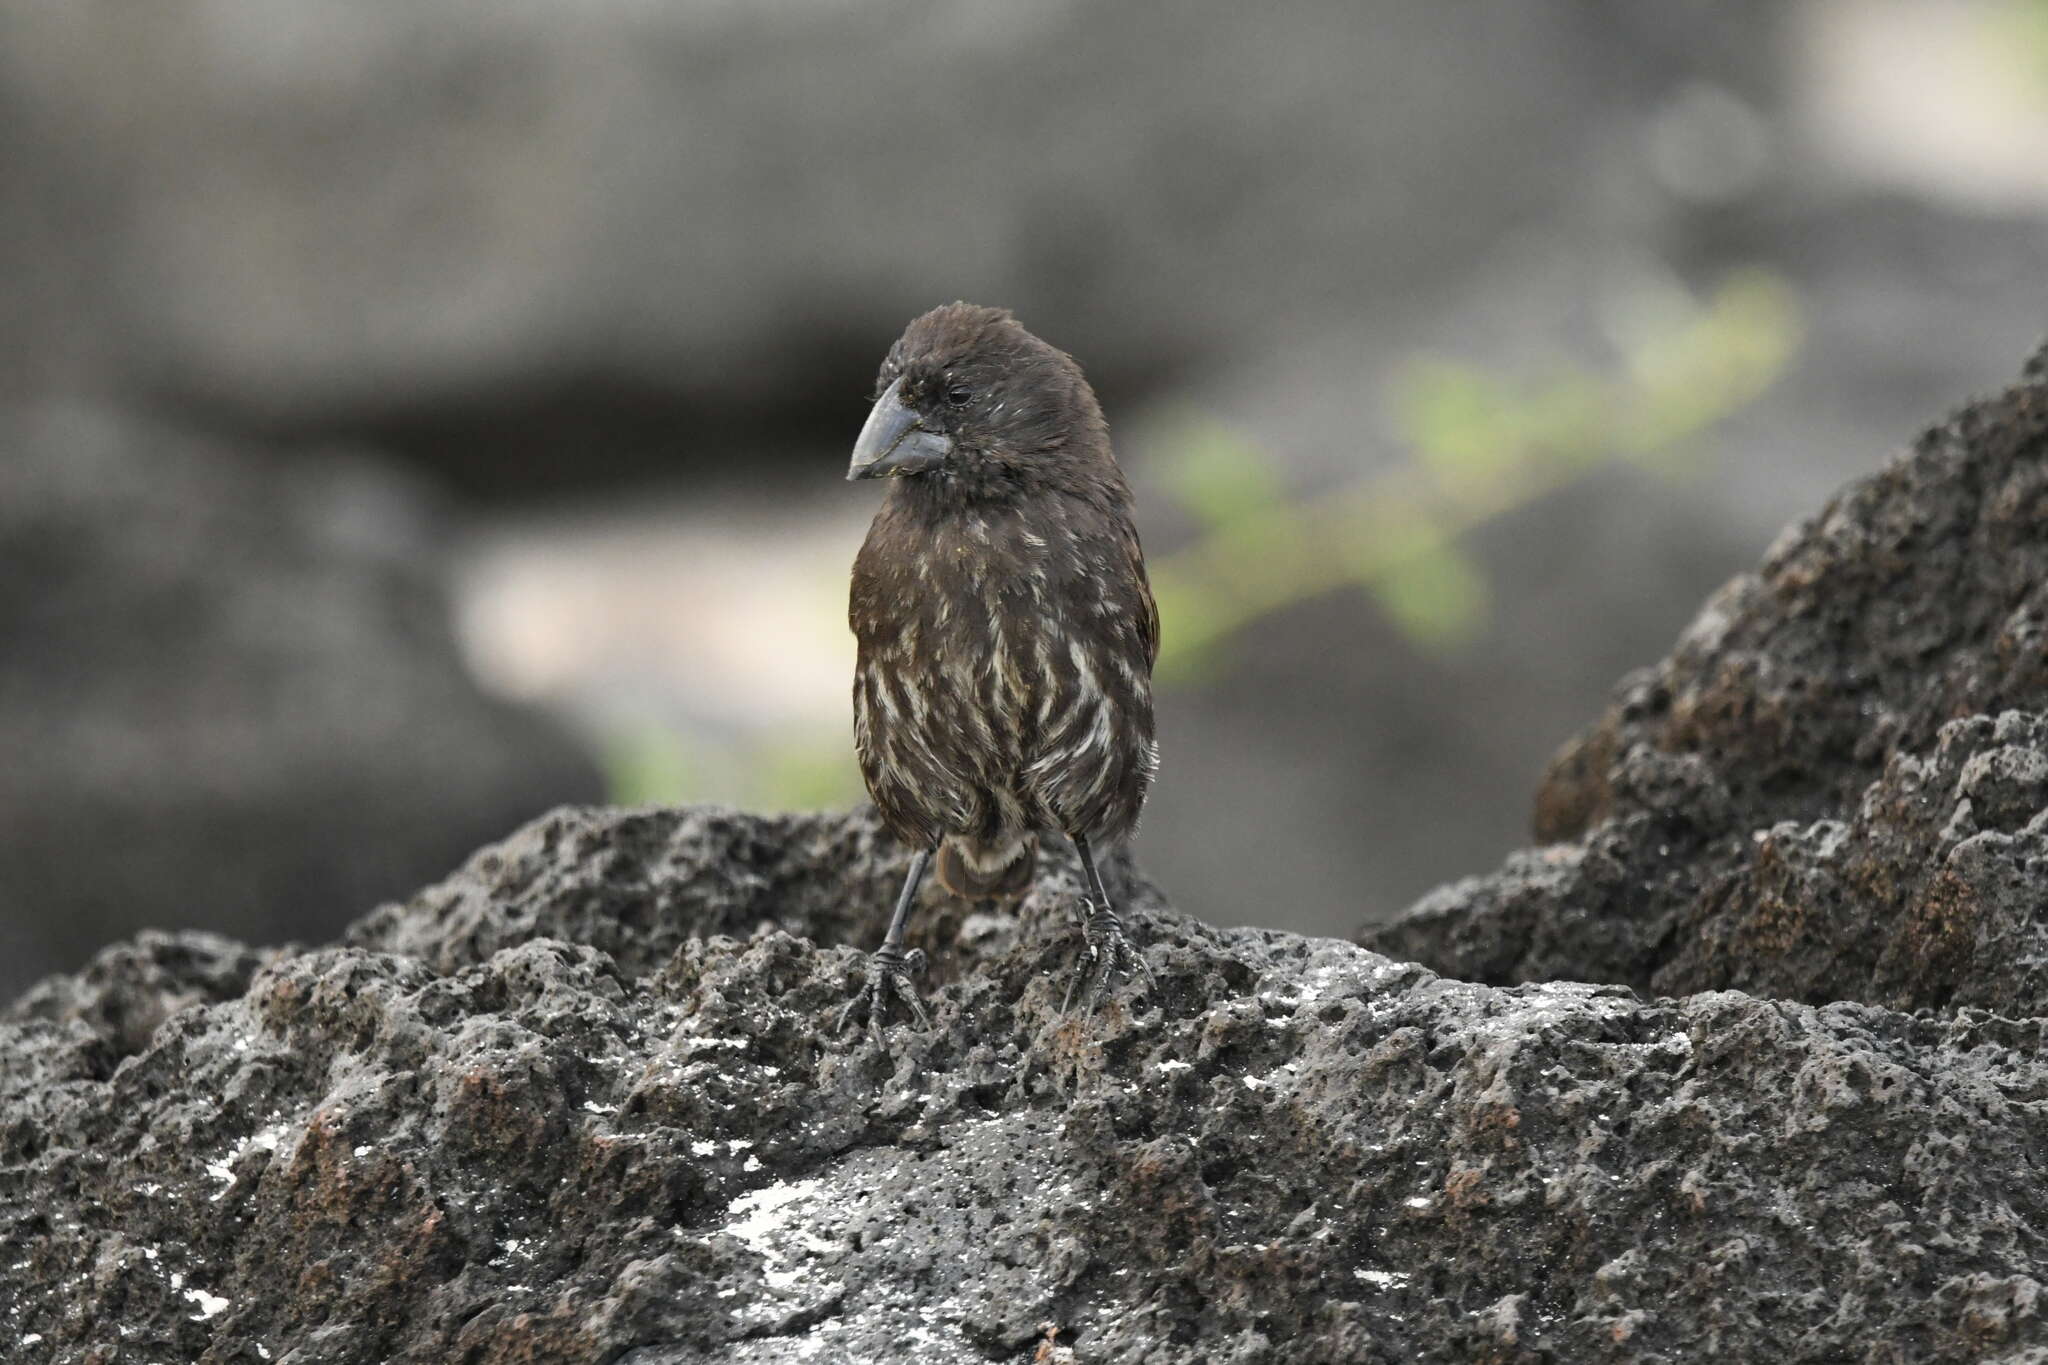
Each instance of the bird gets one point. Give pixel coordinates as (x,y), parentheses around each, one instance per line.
(1006,633)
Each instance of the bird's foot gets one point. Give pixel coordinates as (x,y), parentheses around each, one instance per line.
(889,974)
(1106,953)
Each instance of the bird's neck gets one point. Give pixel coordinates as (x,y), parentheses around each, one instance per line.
(948,495)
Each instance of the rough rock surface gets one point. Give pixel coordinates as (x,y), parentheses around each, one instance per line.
(230,695)
(579,1103)
(1836,786)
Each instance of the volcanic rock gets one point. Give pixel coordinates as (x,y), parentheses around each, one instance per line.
(581,1102)
(1836,785)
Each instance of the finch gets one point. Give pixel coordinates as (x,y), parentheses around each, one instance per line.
(1003,688)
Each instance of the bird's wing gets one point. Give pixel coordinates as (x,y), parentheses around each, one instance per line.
(1148,610)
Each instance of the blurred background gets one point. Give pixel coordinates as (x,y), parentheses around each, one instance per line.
(413,415)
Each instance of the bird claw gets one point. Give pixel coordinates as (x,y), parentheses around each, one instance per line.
(1106,953)
(889,972)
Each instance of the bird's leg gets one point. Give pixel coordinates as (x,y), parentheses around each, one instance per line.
(1106,950)
(891,967)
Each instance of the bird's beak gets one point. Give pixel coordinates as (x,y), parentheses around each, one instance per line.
(894,443)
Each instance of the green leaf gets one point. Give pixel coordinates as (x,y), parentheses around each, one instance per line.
(647,766)
(1437,596)
(1218,475)
(1458,419)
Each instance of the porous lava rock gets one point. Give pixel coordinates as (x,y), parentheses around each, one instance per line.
(1836,785)
(581,1102)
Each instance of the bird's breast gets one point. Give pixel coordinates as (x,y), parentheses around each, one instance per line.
(1009,650)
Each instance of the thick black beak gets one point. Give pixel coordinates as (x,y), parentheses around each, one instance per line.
(893,442)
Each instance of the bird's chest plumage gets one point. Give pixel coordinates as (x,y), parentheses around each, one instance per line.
(960,643)
(988,694)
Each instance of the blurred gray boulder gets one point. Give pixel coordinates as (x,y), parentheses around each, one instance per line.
(229,693)
(406,219)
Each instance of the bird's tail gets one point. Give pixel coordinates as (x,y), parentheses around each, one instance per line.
(998,869)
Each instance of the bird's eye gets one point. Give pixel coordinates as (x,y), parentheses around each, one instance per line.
(959,395)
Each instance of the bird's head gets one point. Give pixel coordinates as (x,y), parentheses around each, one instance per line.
(968,395)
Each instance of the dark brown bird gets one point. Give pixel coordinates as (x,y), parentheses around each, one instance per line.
(1006,629)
